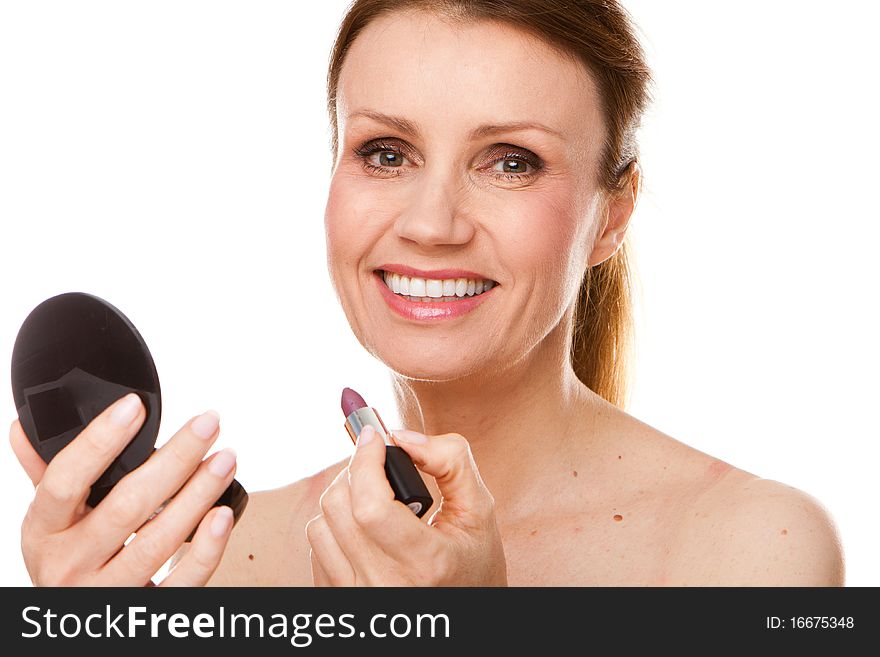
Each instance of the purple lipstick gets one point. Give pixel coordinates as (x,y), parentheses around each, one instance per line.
(405,480)
(351,401)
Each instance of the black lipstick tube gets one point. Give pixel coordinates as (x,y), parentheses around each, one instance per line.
(405,480)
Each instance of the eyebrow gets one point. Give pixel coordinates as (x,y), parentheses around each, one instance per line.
(485,130)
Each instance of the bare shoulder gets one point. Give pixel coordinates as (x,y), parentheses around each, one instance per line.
(268,546)
(749,531)
(724,526)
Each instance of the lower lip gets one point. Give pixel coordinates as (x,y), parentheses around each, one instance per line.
(429,310)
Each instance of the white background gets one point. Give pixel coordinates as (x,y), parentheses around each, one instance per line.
(172,157)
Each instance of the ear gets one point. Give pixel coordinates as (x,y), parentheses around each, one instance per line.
(617,216)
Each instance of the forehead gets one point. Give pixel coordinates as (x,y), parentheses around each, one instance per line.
(450,75)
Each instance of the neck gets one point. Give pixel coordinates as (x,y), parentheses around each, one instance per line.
(528,425)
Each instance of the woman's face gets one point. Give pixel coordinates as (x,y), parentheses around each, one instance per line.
(467,160)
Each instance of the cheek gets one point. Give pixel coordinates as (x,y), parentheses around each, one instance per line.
(342,239)
(346,227)
(547,236)
(336,228)
(355,219)
(356,203)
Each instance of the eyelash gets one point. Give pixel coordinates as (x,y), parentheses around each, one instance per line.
(378,146)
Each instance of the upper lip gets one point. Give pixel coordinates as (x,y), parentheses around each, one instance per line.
(406,270)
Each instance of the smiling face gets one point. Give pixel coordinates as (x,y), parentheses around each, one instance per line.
(468,158)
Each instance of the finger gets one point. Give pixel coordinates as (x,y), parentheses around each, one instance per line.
(27,456)
(335,503)
(160,538)
(203,557)
(137,495)
(63,489)
(366,468)
(373,507)
(330,566)
(449,460)
(319,576)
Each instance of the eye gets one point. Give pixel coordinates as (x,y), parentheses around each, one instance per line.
(389,158)
(512,165)
(510,162)
(382,156)
(505,161)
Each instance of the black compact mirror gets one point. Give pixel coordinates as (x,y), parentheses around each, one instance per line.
(75,355)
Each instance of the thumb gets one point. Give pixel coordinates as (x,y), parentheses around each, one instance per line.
(449,460)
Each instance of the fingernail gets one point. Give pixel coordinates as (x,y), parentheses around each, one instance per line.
(408,436)
(222,521)
(366,435)
(222,463)
(126,410)
(206,424)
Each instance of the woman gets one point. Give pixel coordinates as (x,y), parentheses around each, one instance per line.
(483,152)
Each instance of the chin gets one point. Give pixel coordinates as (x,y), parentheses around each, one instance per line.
(428,364)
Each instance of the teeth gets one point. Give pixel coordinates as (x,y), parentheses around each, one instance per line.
(429,299)
(431,289)
(434,288)
(417,287)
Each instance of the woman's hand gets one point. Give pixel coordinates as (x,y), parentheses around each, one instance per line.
(66,543)
(363,537)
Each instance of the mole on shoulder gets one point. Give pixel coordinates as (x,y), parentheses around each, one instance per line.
(784,532)
(250,557)
(574,473)
(617,517)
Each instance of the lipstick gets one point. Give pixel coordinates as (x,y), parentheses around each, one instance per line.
(405,480)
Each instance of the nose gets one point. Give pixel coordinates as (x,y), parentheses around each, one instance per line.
(435,213)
